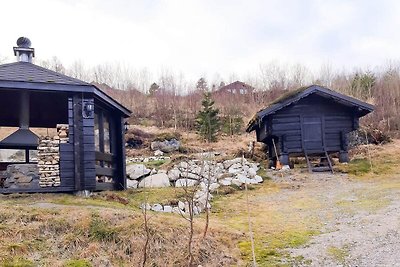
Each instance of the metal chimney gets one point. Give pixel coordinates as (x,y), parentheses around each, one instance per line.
(23,137)
(24,52)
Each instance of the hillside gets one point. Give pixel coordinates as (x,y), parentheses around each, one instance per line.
(346,218)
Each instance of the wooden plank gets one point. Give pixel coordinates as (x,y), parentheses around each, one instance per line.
(286,127)
(66,148)
(285,119)
(88,148)
(293,137)
(88,139)
(88,122)
(88,130)
(293,144)
(77,143)
(339,124)
(104,171)
(121,162)
(104,156)
(337,130)
(338,117)
(38,190)
(67,165)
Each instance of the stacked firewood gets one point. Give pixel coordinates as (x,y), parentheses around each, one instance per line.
(48,162)
(49,157)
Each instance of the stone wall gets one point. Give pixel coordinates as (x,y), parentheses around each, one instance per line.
(22,176)
(49,157)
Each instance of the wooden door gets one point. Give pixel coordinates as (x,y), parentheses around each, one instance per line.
(312,133)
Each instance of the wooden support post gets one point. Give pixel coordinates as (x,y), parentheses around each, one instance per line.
(343,156)
(284,158)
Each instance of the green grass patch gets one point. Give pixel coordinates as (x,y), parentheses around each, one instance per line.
(100,230)
(77,263)
(164,196)
(357,167)
(338,254)
(155,164)
(17,262)
(372,199)
(270,251)
(263,173)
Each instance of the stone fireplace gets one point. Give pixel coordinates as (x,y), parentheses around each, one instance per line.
(46,173)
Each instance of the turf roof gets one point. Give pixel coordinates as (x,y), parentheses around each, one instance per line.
(291,96)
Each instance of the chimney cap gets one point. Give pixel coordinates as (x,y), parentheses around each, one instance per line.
(24,42)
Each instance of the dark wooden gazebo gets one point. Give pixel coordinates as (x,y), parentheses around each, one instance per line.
(310,121)
(88,150)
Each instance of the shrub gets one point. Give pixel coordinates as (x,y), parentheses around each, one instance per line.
(101,231)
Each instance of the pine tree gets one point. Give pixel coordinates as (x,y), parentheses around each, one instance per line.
(202,85)
(207,119)
(154,88)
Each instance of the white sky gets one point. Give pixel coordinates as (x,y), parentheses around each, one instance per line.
(205,37)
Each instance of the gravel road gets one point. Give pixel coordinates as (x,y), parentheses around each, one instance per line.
(360,220)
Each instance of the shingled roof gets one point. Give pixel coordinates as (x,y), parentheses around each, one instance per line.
(25,75)
(28,72)
(294,96)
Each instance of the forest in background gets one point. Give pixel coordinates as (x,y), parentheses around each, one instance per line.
(170,100)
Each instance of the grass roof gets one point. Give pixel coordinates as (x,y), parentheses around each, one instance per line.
(278,100)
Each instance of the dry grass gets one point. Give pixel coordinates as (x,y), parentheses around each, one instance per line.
(107,229)
(374,161)
(67,235)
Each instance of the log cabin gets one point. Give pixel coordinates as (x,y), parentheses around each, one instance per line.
(86,148)
(310,121)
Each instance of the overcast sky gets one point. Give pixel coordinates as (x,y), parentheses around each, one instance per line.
(206,37)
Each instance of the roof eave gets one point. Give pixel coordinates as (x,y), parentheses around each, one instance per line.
(313,89)
(66,88)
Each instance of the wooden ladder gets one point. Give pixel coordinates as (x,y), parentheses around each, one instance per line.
(329,160)
(308,161)
(311,169)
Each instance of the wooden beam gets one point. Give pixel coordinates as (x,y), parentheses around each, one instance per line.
(102,171)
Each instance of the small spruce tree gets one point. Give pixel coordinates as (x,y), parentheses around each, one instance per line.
(154,88)
(207,119)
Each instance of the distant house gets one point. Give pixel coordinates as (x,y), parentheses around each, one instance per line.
(84,148)
(309,121)
(236,88)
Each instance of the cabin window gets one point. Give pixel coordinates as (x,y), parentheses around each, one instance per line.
(12,155)
(103,145)
(96,132)
(33,155)
(106,127)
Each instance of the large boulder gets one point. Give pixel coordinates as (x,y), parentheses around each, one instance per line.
(174,174)
(185,182)
(155,180)
(166,146)
(131,183)
(137,171)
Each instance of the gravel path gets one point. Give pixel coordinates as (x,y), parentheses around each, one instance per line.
(361,220)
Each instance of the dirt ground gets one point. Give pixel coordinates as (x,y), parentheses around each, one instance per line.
(358,220)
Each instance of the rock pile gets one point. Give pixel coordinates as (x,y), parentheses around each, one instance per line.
(22,176)
(206,175)
(146,159)
(165,146)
